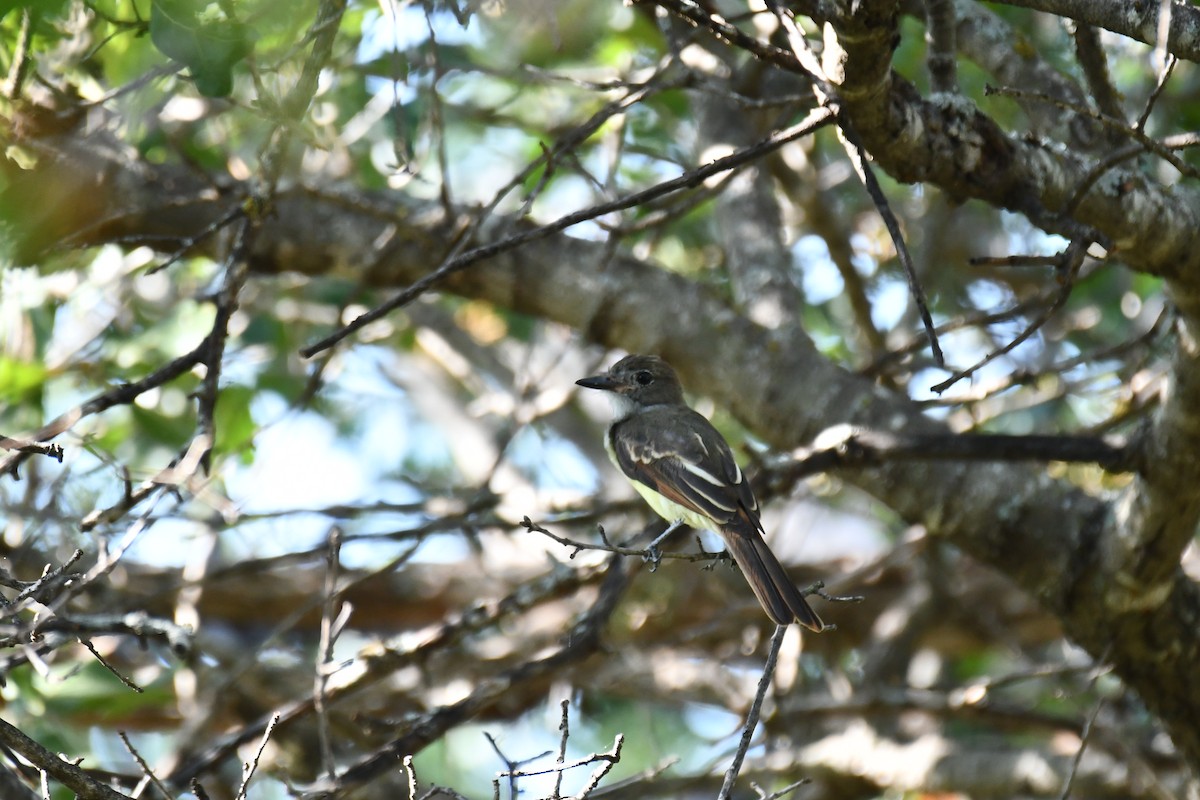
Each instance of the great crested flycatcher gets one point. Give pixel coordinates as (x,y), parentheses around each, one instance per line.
(684,469)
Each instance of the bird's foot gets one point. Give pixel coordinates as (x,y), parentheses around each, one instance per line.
(652,555)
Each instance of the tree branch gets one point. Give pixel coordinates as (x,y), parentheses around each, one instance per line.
(1137,21)
(1047,535)
(50,449)
(68,774)
(817,119)
(843,446)
(578,643)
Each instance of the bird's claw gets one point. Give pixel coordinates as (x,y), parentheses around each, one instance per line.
(652,556)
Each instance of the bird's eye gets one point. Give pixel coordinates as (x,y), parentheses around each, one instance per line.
(644,378)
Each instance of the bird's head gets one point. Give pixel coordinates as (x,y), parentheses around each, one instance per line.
(637,382)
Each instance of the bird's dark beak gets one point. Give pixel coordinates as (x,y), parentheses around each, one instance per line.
(603,382)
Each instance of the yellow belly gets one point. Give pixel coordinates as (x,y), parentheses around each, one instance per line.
(672,511)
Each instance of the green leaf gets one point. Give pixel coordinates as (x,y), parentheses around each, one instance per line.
(173,432)
(201,36)
(93,690)
(45,8)
(234,423)
(19,380)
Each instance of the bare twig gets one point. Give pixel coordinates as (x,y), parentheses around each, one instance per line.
(137,624)
(621,788)
(815,120)
(49,583)
(1164,73)
(106,561)
(564,726)
(940,34)
(1017,260)
(764,681)
(1071,260)
(699,15)
(1086,733)
(385,663)
(410,774)
(1119,125)
(120,395)
(857,154)
(606,762)
(146,771)
(67,773)
(784,792)
(329,633)
(251,767)
(177,473)
(214,227)
(858,157)
(50,449)
(236,269)
(579,642)
(234,671)
(1089,52)
(581,133)
(1162,35)
(818,588)
(514,770)
(511,769)
(958,323)
(651,554)
(91,648)
(1090,358)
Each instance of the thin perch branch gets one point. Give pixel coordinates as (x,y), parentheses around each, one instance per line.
(735,766)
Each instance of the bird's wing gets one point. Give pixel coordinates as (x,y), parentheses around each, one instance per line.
(689,464)
(693,466)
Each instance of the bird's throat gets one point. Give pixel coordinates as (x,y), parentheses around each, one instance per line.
(622,406)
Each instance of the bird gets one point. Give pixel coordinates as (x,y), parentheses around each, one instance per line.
(685,470)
